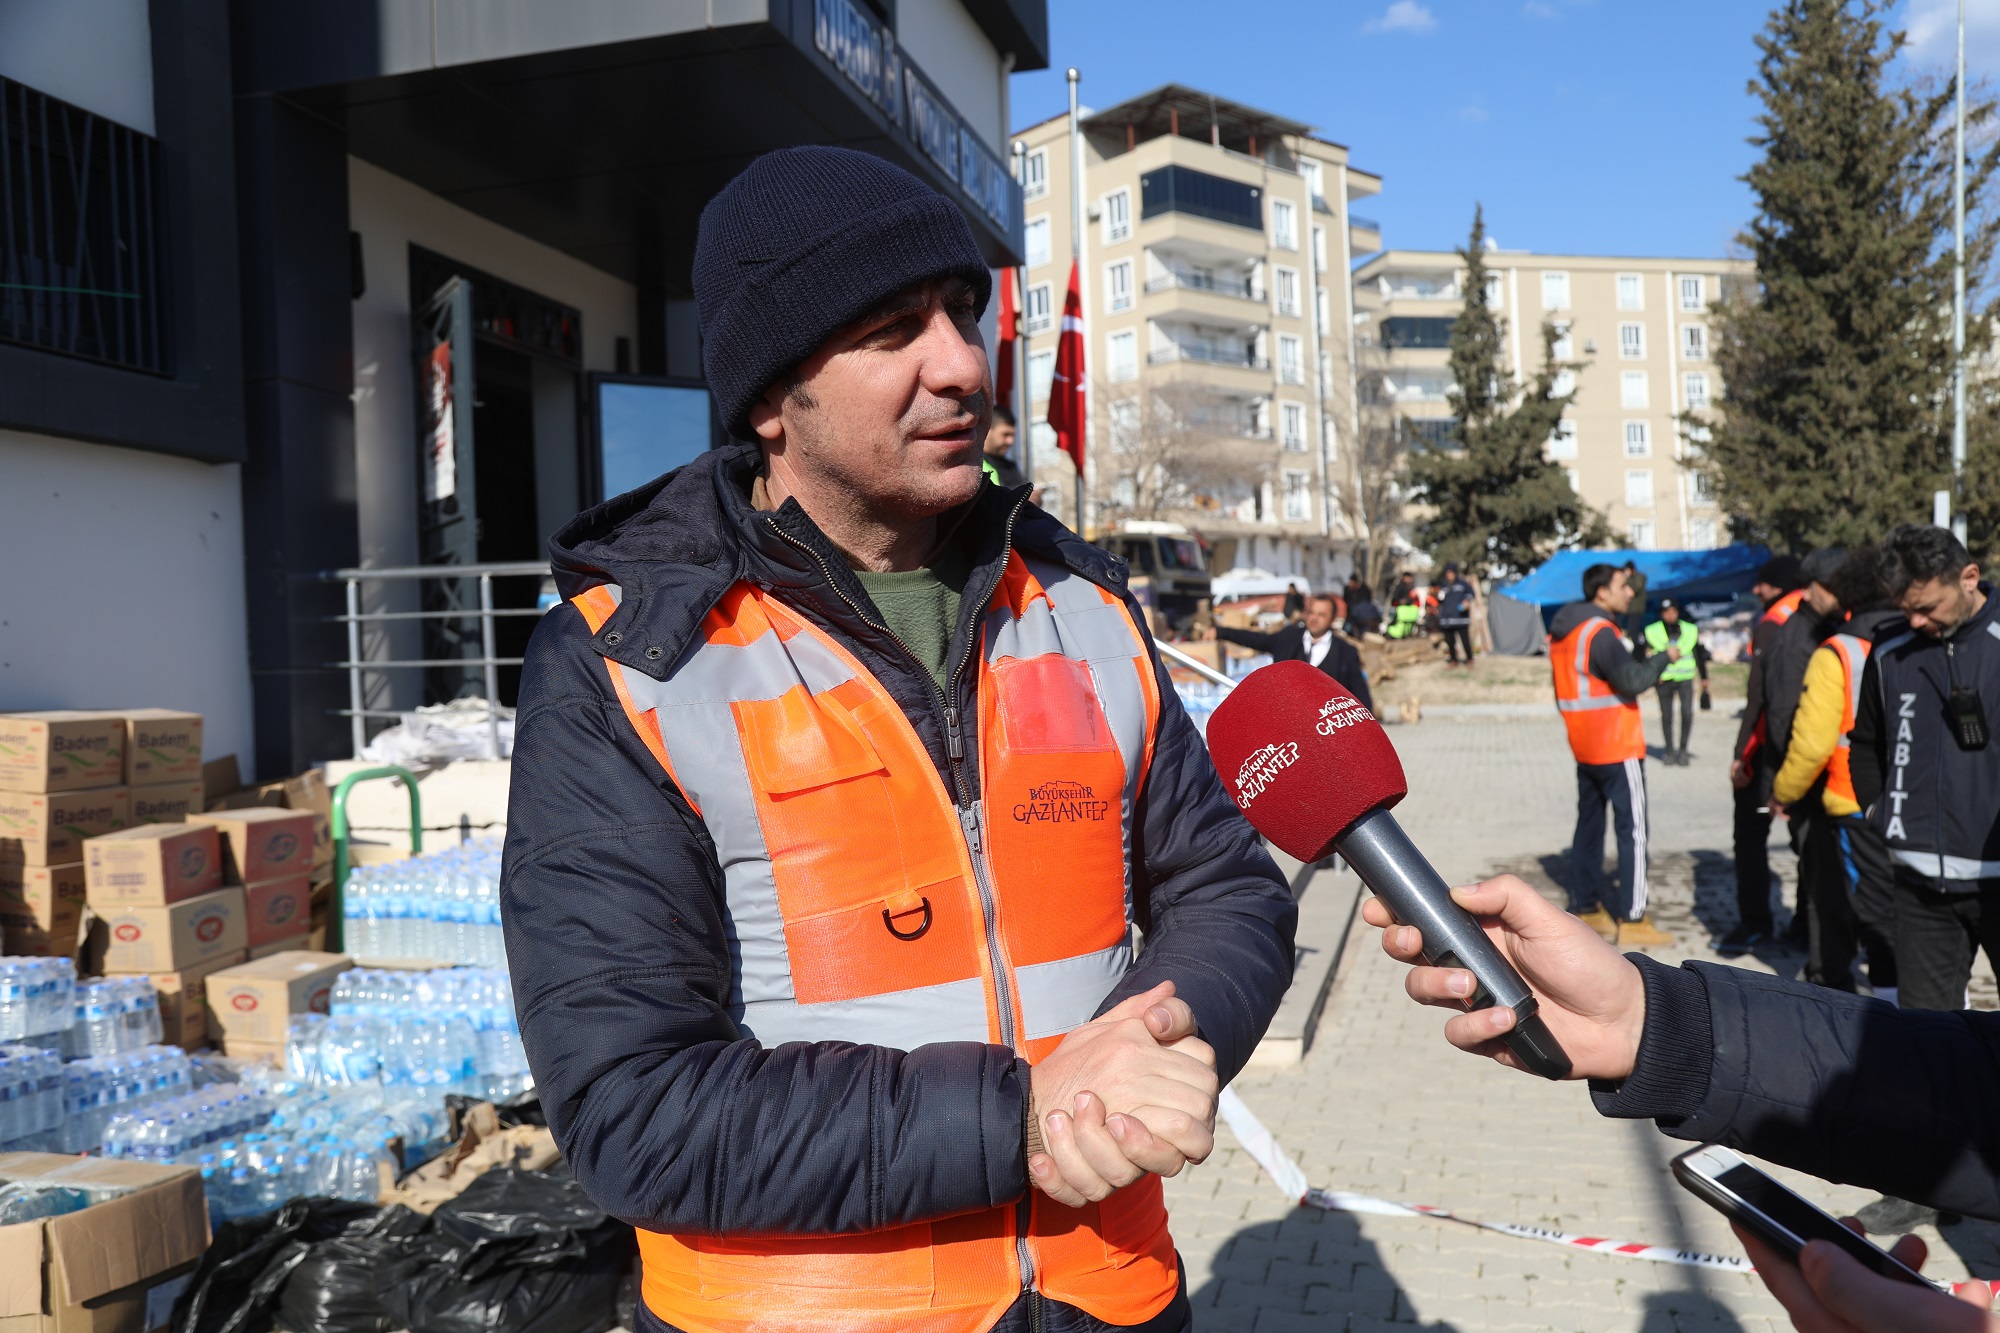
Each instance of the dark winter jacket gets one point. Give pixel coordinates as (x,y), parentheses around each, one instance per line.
(1937,805)
(1455,603)
(1610,660)
(1342,660)
(1785,664)
(613,895)
(1762,633)
(1853,1090)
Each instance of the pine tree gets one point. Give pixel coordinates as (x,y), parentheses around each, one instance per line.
(1836,422)
(1497,503)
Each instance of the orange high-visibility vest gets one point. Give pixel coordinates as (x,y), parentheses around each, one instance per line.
(1782,610)
(1853,655)
(865,906)
(1604,726)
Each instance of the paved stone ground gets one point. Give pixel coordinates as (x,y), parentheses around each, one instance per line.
(1383,1106)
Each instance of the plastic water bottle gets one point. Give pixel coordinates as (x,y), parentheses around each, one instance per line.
(13,1000)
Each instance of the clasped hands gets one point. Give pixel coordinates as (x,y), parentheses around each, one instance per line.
(1127,1093)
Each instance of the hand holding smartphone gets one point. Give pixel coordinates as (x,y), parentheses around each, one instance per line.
(1774,1214)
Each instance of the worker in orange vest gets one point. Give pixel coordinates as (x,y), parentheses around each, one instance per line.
(881,930)
(1780,585)
(1598,685)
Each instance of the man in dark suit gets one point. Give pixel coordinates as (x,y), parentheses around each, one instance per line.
(1309,640)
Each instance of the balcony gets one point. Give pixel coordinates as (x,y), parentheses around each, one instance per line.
(1223,284)
(1364,236)
(1211,354)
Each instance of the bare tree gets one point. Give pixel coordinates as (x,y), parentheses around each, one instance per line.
(1178,450)
(1368,483)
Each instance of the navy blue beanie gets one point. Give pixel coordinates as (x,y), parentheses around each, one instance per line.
(804,241)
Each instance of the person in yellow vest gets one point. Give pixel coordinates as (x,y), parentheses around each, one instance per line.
(1678,680)
(1597,687)
(1846,877)
(880,928)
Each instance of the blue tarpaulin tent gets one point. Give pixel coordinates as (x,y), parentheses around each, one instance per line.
(1695,576)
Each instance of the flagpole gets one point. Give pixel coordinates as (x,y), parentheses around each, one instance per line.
(1023,432)
(1083,284)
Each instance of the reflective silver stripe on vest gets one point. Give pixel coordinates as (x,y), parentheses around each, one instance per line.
(1058,996)
(617,593)
(904,1019)
(1853,653)
(1076,622)
(1948,867)
(1592,702)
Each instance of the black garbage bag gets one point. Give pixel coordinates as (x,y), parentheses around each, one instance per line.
(523,1108)
(237,1284)
(518,1252)
(337,1286)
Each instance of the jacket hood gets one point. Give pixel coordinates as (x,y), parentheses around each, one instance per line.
(1874,624)
(676,544)
(1573,615)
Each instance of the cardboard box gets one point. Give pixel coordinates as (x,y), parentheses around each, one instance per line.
(41,909)
(219,777)
(61,750)
(279,909)
(290,944)
(262,843)
(48,828)
(256,1001)
(166,802)
(306,791)
(184,1001)
(152,864)
(161,745)
(102,1269)
(257,1052)
(176,937)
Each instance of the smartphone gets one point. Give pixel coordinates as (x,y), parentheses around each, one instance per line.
(1774,1214)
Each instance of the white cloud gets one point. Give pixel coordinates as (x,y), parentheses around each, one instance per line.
(1933,29)
(1402,16)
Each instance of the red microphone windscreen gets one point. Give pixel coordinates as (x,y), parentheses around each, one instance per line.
(1302,757)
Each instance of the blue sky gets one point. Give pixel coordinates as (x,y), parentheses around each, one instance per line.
(1584,126)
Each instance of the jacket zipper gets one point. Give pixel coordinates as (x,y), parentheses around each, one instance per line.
(970,820)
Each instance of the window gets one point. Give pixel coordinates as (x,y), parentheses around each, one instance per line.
(1319,249)
(1284,224)
(1632,341)
(1555,291)
(1564,383)
(1315,178)
(1288,290)
(1035,242)
(1631,291)
(1565,348)
(1328,441)
(1640,533)
(1694,342)
(1035,312)
(1298,502)
(1493,291)
(1035,174)
(1694,389)
(1292,417)
(1633,391)
(1257,419)
(1118,285)
(1575,478)
(1562,443)
(1701,489)
(1124,415)
(1117,216)
(1182,190)
(1639,488)
(1121,357)
(1322,312)
(1638,439)
(1701,534)
(1290,370)
(1691,293)
(1041,372)
(1326,374)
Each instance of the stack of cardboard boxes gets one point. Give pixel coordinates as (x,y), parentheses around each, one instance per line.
(66,776)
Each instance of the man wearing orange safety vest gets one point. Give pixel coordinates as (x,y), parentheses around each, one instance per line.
(1846,879)
(1780,586)
(880,930)
(1598,685)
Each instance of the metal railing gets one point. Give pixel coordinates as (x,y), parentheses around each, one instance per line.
(1217,356)
(1204,282)
(1200,668)
(485,613)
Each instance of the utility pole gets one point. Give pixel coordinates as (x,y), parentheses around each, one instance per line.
(1023,433)
(1082,279)
(1958,297)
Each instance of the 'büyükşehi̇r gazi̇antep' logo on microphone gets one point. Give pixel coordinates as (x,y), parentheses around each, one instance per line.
(1340,712)
(1060,802)
(1261,769)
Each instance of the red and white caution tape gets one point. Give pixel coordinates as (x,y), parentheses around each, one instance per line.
(1286,1174)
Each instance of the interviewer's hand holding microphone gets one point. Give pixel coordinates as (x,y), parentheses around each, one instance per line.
(1538,990)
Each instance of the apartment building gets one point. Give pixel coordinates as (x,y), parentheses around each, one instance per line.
(1638,330)
(301,249)
(1216,259)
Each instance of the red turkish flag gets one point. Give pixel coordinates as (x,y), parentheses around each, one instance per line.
(1066,390)
(1009,323)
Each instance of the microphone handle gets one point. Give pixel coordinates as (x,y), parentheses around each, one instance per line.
(1416,895)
